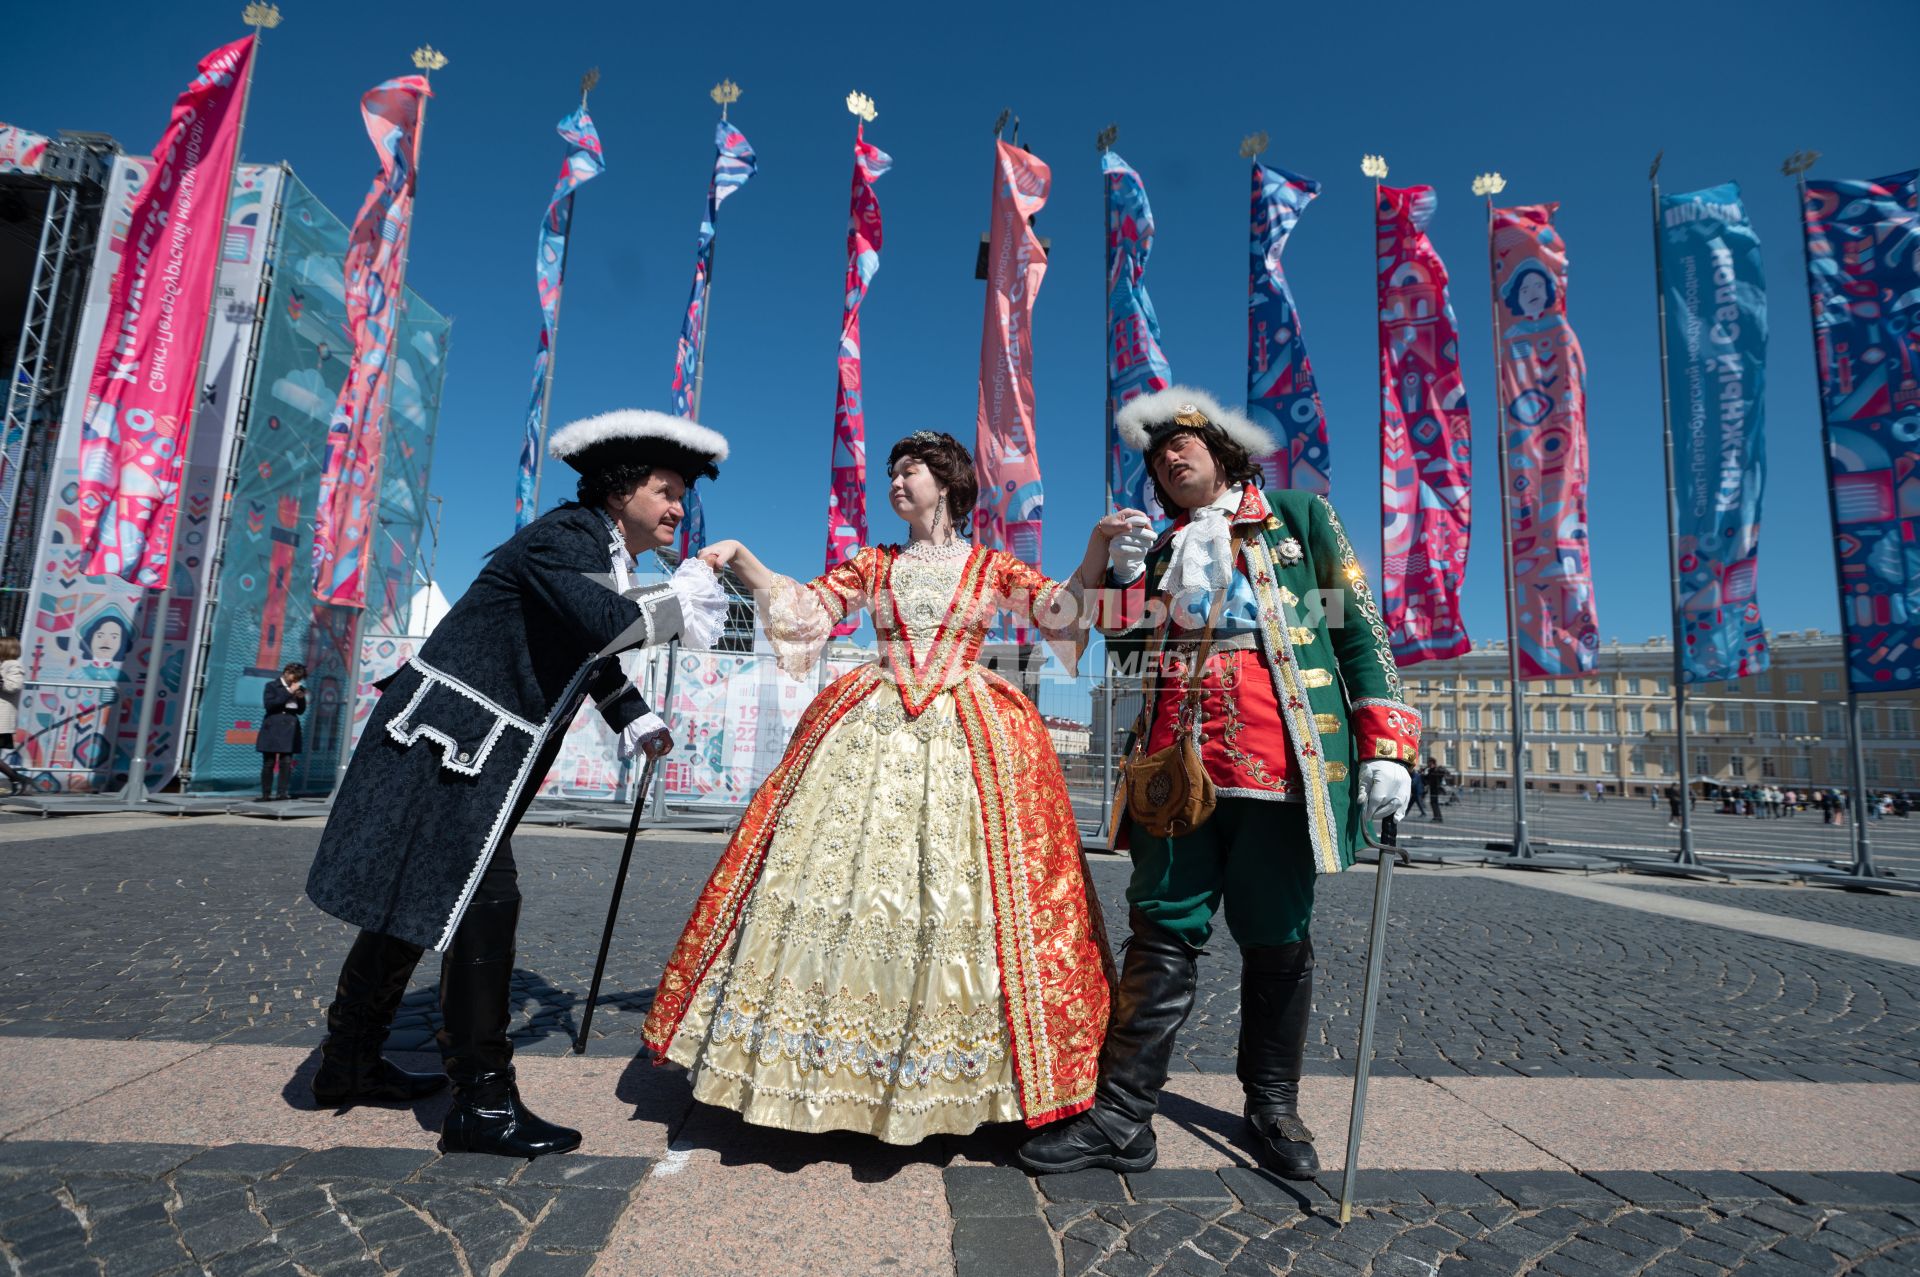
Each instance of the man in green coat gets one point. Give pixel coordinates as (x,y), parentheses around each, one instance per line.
(1301,727)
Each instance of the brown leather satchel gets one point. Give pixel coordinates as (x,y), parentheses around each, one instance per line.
(1169,793)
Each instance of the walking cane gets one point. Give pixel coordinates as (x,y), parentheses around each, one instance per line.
(1388,847)
(613,906)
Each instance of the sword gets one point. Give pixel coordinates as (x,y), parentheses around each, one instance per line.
(1390,851)
(613,906)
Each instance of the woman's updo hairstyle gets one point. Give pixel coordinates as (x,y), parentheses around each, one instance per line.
(952,468)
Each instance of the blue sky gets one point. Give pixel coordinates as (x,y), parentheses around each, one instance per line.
(1570,102)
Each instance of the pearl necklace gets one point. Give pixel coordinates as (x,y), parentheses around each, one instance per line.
(945,552)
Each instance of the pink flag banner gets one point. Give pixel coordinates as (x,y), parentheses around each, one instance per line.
(141,396)
(1543,405)
(1281,394)
(1426,439)
(1011,495)
(847,497)
(375,276)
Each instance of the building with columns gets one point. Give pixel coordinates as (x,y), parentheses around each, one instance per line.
(1786,727)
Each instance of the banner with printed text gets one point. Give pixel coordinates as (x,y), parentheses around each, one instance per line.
(1716,303)
(847,492)
(1863,265)
(1426,438)
(142,391)
(1281,394)
(1543,406)
(733,164)
(582,164)
(343,529)
(1136,365)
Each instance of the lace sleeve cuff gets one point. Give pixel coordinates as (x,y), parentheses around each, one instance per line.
(798,626)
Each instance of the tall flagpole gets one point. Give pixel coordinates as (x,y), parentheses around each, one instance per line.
(587,81)
(1686,856)
(1109,702)
(1490,185)
(426,60)
(1796,167)
(261,17)
(725,93)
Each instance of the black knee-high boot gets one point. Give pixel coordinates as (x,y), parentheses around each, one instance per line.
(352,1071)
(1276,999)
(1155,997)
(476,977)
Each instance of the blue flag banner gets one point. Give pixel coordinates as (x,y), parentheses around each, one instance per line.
(733,164)
(1716,317)
(584,162)
(1863,269)
(1281,394)
(1135,363)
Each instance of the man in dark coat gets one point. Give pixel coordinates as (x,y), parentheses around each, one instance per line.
(417,852)
(284,700)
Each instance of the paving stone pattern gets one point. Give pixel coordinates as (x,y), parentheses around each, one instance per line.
(199,932)
(1862,910)
(163,1209)
(1245,1223)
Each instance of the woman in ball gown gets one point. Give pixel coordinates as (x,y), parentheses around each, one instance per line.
(901,938)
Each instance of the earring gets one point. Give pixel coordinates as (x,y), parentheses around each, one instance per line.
(940,516)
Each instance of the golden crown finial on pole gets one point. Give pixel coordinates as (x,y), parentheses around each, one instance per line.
(1374,166)
(724,95)
(1253,144)
(1489,184)
(1799,162)
(862,105)
(261,15)
(588,83)
(428,58)
(1107,137)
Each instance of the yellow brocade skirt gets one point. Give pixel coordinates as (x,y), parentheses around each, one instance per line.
(861,989)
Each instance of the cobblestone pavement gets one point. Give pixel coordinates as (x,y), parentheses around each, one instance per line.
(1244,1223)
(1862,910)
(258,1208)
(196,930)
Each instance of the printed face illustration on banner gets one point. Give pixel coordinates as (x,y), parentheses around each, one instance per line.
(1543,395)
(733,164)
(1136,365)
(1716,301)
(1011,496)
(847,495)
(1863,262)
(375,270)
(582,164)
(1281,394)
(1426,439)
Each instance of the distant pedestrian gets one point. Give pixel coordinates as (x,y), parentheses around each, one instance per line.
(285,700)
(13,681)
(1653,800)
(1436,777)
(1673,805)
(1419,791)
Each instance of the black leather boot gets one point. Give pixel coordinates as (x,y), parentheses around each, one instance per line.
(1276,998)
(352,1071)
(1155,997)
(475,979)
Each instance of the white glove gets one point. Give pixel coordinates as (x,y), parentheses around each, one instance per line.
(647,733)
(1127,553)
(703,604)
(1385,789)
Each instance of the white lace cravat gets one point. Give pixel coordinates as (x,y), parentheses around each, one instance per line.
(1202,555)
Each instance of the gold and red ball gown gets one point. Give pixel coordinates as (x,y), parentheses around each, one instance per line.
(900,938)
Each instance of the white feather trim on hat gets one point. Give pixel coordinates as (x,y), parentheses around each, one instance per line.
(636,424)
(1140,421)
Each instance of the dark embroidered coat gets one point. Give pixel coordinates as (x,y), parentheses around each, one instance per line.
(465,732)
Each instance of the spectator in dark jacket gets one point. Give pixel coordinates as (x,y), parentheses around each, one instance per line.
(285,700)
